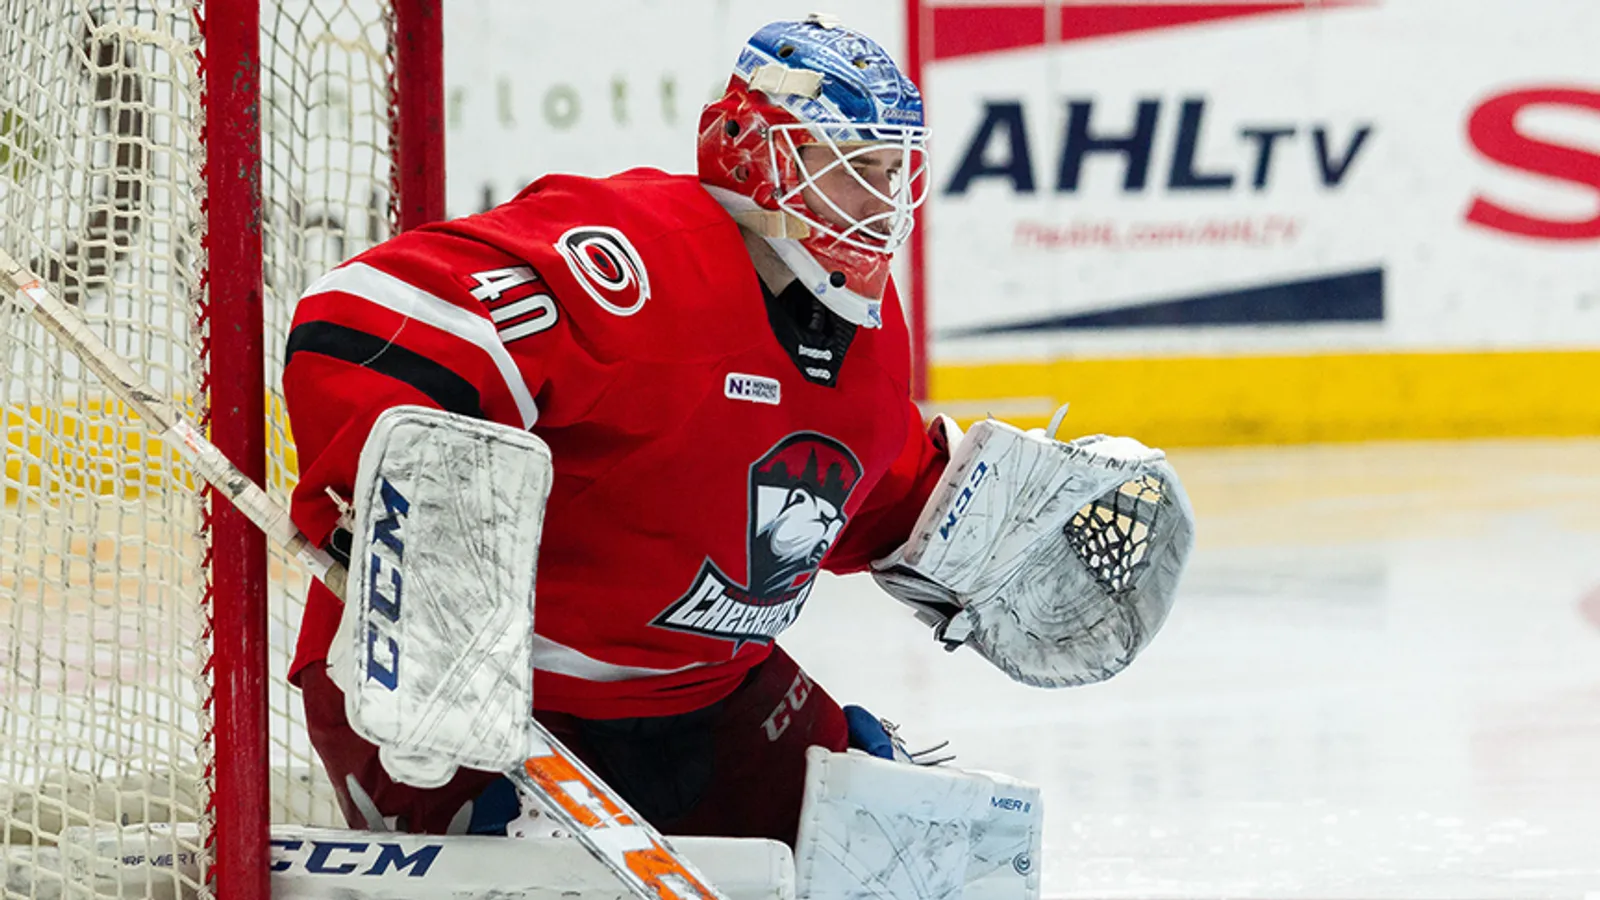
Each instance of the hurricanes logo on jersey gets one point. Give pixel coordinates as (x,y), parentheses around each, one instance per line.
(607,267)
(798,492)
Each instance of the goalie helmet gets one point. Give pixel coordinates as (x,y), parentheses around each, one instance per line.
(818,146)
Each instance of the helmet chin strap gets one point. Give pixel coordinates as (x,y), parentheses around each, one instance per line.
(785,260)
(827,286)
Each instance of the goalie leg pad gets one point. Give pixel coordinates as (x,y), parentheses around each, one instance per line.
(871,828)
(309,863)
(435,647)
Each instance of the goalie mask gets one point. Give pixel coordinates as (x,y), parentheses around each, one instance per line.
(818,146)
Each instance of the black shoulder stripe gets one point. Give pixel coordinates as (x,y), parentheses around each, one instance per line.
(444,387)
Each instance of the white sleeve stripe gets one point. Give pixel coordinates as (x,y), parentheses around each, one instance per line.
(559,659)
(383,289)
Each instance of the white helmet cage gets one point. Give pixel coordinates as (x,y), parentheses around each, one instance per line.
(899,150)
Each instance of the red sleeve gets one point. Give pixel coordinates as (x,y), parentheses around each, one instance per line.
(430,318)
(423,319)
(885,521)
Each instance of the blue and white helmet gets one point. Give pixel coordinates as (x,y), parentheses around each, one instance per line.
(819,146)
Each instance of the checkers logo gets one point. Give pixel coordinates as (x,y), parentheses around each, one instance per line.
(798,493)
(753,388)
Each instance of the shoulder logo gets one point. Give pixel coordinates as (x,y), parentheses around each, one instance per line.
(607,266)
(755,388)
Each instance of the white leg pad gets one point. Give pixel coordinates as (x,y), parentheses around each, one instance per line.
(336,864)
(871,828)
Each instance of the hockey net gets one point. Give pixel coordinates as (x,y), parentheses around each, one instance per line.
(110,685)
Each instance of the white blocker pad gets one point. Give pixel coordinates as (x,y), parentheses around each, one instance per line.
(1056,561)
(335,864)
(435,647)
(872,828)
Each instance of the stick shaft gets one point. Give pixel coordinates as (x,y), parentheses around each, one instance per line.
(163,417)
(585,805)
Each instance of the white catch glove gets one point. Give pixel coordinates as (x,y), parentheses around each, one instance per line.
(1056,561)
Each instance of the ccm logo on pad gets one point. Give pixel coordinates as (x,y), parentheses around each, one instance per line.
(754,388)
(353,857)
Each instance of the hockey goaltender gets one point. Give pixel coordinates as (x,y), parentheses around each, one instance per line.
(711,376)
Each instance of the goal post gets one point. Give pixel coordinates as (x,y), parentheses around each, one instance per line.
(178,171)
(232,316)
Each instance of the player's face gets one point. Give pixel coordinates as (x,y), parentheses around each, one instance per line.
(854,190)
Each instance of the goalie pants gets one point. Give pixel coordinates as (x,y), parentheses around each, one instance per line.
(735,768)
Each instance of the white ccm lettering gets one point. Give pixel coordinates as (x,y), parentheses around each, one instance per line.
(795,698)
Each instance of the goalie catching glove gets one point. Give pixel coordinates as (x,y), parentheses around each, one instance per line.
(1056,561)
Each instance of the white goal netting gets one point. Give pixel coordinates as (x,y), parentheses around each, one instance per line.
(104,592)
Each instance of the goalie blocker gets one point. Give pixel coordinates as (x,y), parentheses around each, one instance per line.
(1056,561)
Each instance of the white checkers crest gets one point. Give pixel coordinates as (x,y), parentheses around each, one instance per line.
(607,267)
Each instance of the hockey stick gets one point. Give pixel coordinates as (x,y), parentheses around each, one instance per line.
(577,799)
(165,418)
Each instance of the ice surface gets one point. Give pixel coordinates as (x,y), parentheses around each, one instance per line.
(1381,680)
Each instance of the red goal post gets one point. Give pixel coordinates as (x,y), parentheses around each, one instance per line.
(178,171)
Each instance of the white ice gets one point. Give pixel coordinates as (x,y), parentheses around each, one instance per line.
(1381,680)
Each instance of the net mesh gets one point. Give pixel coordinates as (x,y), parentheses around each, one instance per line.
(1112,533)
(103,593)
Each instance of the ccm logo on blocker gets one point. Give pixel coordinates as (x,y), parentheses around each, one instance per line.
(388,550)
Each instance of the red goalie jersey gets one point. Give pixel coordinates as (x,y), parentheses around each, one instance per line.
(714,444)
